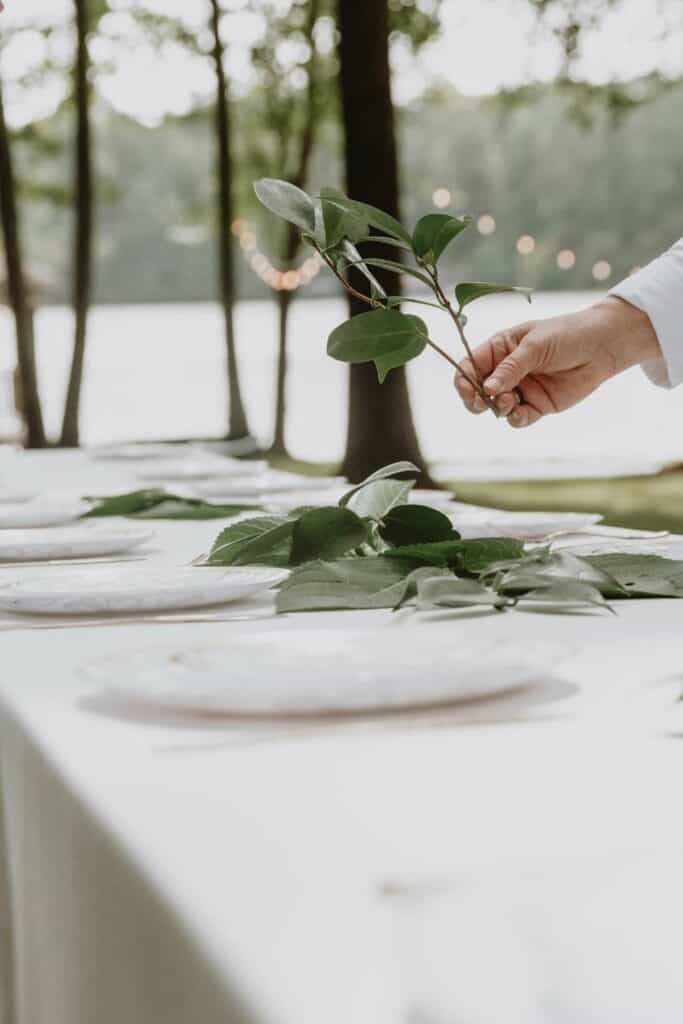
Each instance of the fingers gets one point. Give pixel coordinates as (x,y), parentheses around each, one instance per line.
(508,374)
(485,361)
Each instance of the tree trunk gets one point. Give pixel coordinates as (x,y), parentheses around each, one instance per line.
(284,298)
(279,446)
(237,417)
(83,238)
(380,428)
(17,293)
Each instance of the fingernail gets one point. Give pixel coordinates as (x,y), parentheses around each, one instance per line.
(493,385)
(515,416)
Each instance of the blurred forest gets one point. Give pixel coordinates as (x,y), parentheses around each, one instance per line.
(589,187)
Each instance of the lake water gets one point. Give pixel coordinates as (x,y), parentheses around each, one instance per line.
(157,371)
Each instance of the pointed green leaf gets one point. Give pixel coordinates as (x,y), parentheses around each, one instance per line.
(467,556)
(340,223)
(451,592)
(434,233)
(385,473)
(352,257)
(287,201)
(469,291)
(396,268)
(566,595)
(416,524)
(382,221)
(387,337)
(349,583)
(266,540)
(376,500)
(326,533)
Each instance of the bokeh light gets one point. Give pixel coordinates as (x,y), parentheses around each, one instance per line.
(566,259)
(526,245)
(602,270)
(486,224)
(441,198)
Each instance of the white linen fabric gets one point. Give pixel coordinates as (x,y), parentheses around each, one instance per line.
(375,871)
(657,290)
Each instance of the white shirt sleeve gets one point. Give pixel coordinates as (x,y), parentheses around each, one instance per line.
(657,289)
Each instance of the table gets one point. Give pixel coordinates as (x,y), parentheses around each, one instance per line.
(514,862)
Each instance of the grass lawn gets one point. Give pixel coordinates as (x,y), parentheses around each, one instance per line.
(645,502)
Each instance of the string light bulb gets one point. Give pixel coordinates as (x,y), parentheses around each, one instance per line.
(289,280)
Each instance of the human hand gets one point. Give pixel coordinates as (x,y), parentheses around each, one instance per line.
(546,366)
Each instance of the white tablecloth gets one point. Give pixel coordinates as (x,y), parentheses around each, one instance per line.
(515,862)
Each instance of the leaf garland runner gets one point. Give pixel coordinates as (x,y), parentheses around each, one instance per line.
(154,503)
(374,550)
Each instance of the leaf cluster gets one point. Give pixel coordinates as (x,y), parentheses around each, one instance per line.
(336,227)
(154,503)
(375,550)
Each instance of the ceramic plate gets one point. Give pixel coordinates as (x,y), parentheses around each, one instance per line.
(15,495)
(108,590)
(83,541)
(315,671)
(134,452)
(268,483)
(40,513)
(481,522)
(215,469)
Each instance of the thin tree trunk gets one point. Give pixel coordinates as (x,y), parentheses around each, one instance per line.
(279,446)
(83,238)
(300,177)
(237,418)
(17,293)
(380,427)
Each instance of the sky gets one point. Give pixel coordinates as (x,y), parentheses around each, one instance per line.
(484,45)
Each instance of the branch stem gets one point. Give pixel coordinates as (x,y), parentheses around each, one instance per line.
(432,344)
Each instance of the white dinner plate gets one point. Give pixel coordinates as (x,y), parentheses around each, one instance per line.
(86,540)
(15,495)
(32,514)
(268,483)
(134,452)
(314,672)
(216,469)
(108,590)
(485,522)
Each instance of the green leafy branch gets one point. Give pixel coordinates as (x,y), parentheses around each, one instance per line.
(375,550)
(335,226)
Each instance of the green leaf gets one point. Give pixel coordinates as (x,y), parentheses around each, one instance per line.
(125,504)
(566,595)
(340,223)
(386,337)
(382,221)
(466,556)
(469,291)
(641,575)
(154,503)
(179,508)
(544,568)
(266,540)
(434,233)
(384,240)
(396,268)
(394,469)
(350,583)
(416,524)
(397,300)
(352,257)
(326,533)
(287,201)
(451,592)
(376,500)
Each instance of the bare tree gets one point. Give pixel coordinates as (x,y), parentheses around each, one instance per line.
(237,423)
(380,427)
(18,293)
(83,235)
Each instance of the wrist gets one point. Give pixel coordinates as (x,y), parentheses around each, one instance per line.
(628,333)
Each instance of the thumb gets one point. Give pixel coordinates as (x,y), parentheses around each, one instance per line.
(525,359)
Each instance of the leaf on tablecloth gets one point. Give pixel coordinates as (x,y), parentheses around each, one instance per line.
(154,503)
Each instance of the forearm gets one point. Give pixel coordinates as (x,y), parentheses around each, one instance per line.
(657,290)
